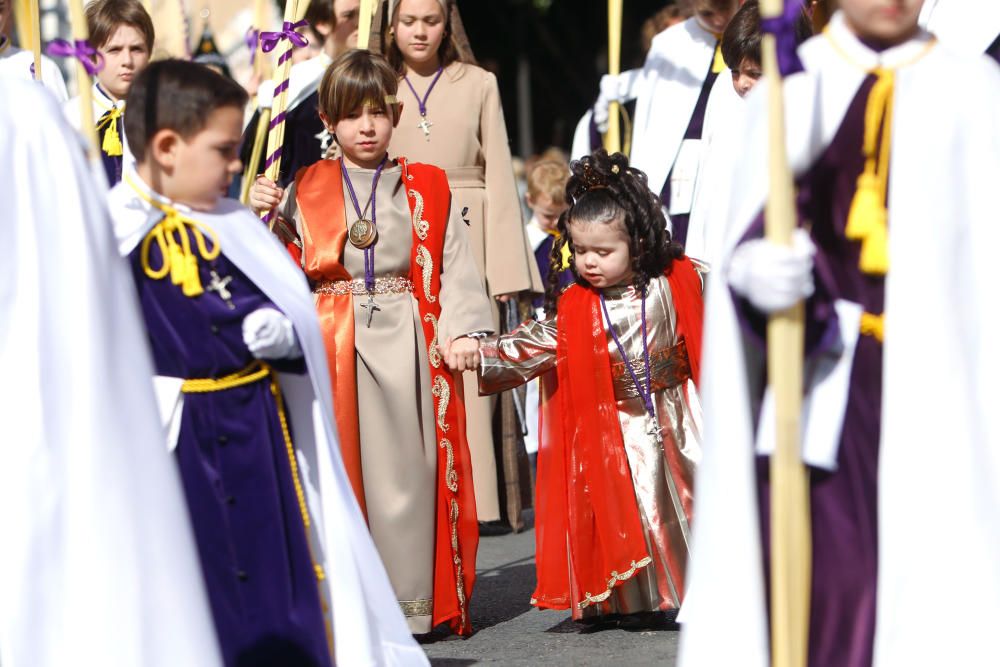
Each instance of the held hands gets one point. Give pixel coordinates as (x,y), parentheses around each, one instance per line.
(264,194)
(268,334)
(773,277)
(461,354)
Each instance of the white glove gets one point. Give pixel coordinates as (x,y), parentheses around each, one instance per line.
(268,334)
(608,94)
(773,277)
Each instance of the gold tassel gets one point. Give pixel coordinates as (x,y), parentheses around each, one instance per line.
(192,281)
(875,252)
(177,263)
(718,62)
(867,210)
(112,142)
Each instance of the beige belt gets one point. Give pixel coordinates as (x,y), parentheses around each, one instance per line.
(383,285)
(466,177)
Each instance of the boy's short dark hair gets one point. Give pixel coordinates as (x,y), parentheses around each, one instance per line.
(104,17)
(741,40)
(175,95)
(356,78)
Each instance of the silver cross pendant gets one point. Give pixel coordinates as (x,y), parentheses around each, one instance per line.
(370,307)
(654,431)
(220,286)
(426,126)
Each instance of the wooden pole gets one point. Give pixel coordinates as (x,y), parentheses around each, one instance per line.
(276,133)
(613,138)
(263,120)
(78,26)
(791,539)
(366,13)
(34,21)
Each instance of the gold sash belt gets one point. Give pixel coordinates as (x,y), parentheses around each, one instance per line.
(670,367)
(383,285)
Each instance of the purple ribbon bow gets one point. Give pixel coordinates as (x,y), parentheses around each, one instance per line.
(269,40)
(783,29)
(81,49)
(251,39)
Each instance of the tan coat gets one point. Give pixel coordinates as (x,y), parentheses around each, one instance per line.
(468,139)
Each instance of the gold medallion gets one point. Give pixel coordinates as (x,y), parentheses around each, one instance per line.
(362,233)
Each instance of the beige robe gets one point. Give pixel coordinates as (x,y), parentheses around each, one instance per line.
(395,408)
(468,139)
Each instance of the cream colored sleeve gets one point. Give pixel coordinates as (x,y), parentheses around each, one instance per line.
(510,265)
(465,307)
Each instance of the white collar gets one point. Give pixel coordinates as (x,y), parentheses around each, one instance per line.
(854,50)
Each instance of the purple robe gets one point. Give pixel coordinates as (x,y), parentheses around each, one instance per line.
(844,503)
(993,50)
(679,221)
(236,475)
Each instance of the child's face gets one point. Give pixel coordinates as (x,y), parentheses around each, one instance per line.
(419,30)
(546,211)
(601,253)
(364,134)
(887,21)
(714,17)
(203,165)
(125,54)
(746,76)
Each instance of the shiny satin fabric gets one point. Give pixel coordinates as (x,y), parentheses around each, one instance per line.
(662,476)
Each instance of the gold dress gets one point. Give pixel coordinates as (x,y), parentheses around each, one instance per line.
(662,473)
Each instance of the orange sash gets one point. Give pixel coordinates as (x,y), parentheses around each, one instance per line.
(320,198)
(588,517)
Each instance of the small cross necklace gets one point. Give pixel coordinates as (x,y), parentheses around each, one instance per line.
(424,124)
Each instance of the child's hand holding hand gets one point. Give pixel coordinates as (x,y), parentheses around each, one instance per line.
(265,194)
(461,354)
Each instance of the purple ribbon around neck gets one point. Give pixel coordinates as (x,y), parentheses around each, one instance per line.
(80,49)
(370,250)
(783,29)
(645,389)
(251,39)
(422,101)
(269,40)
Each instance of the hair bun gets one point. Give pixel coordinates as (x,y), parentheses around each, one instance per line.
(595,172)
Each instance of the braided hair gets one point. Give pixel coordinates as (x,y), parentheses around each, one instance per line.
(604,189)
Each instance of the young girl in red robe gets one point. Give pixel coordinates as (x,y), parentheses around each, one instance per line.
(620,434)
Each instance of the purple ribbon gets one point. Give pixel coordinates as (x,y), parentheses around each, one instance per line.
(251,39)
(269,40)
(783,29)
(81,49)
(422,101)
(645,389)
(370,250)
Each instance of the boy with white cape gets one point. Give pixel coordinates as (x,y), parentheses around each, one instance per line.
(902,441)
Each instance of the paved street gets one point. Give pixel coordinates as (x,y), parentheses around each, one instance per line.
(509,631)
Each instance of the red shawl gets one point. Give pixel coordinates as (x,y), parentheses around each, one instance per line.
(586,500)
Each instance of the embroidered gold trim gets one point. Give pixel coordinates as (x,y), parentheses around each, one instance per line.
(420,225)
(450,474)
(459,580)
(417,607)
(433,355)
(616,578)
(426,264)
(383,285)
(442,392)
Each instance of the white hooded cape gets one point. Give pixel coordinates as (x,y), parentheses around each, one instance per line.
(675,70)
(368,625)
(967,26)
(939,476)
(97,561)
